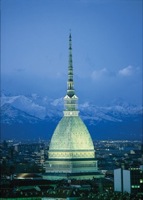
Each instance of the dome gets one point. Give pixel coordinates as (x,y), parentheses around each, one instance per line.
(71,139)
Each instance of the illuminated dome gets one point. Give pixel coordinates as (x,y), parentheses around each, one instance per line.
(71,139)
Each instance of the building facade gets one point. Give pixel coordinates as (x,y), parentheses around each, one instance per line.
(130,180)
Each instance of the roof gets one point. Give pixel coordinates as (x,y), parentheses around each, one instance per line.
(28,175)
(71,134)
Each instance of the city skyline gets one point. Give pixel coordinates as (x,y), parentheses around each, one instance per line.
(107,48)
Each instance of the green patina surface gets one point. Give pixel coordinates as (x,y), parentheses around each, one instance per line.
(71,134)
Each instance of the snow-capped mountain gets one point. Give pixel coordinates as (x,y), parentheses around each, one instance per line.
(34,105)
(25,104)
(42,107)
(10,114)
(109,113)
(45,112)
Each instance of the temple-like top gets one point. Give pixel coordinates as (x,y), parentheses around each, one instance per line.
(70,100)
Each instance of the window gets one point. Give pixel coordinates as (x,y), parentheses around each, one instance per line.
(135,186)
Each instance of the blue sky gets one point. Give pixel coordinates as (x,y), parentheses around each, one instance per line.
(106,40)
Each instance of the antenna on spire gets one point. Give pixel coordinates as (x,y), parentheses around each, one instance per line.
(70,50)
(70,33)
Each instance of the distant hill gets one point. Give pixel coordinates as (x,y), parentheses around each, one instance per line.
(33,117)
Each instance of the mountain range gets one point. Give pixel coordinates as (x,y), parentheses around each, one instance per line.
(32,117)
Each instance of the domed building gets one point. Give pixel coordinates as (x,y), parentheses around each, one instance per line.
(71,152)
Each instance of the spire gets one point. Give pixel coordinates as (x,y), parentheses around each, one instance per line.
(70,83)
(70,100)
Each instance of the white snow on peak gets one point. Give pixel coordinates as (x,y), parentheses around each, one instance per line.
(57,102)
(84,105)
(42,107)
(25,104)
